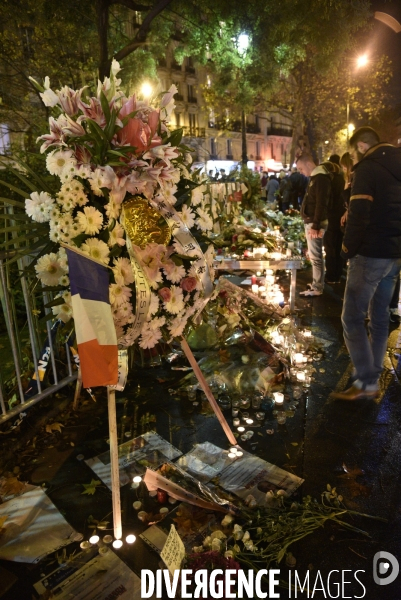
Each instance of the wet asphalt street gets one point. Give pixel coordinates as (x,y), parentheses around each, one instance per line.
(353,446)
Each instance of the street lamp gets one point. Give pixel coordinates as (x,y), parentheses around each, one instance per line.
(361,61)
(146,90)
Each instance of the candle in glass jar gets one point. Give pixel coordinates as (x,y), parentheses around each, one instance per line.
(236,422)
(298,357)
(278,398)
(255,288)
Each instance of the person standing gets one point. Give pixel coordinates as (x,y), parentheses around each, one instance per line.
(333,237)
(271,188)
(372,245)
(298,187)
(263,184)
(314,210)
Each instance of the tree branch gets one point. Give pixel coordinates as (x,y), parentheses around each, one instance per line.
(143,31)
(130,4)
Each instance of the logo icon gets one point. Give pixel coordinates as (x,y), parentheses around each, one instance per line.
(385,568)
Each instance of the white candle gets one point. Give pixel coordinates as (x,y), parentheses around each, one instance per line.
(269,279)
(117,544)
(236,422)
(232,455)
(130,539)
(94,539)
(288,253)
(301,376)
(233,450)
(269,272)
(307,333)
(262,290)
(276,255)
(278,398)
(249,421)
(255,288)
(240,429)
(298,357)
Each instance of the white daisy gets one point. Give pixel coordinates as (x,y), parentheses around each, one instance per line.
(175,273)
(187,216)
(149,337)
(96,249)
(90,220)
(176,302)
(123,271)
(197,195)
(119,294)
(39,206)
(64,280)
(177,326)
(58,160)
(49,269)
(204,222)
(64,311)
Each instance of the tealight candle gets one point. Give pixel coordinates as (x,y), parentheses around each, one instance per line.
(94,539)
(240,429)
(255,288)
(233,450)
(130,539)
(232,455)
(136,481)
(278,398)
(108,539)
(137,505)
(85,545)
(117,544)
(239,453)
(236,422)
(298,357)
(249,421)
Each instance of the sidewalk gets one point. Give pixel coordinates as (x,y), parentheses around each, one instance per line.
(354,447)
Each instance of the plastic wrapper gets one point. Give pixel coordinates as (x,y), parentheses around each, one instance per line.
(182,486)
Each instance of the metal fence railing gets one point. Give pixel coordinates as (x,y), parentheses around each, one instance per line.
(30,369)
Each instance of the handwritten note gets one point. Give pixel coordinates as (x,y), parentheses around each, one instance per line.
(173,551)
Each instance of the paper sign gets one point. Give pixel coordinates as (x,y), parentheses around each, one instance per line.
(173,551)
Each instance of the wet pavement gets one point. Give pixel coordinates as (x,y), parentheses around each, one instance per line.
(352,446)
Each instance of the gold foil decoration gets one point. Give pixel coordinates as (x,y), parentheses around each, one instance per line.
(143,224)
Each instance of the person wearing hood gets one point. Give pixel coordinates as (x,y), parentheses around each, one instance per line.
(314,211)
(372,245)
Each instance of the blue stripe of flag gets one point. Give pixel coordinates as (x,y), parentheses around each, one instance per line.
(87,278)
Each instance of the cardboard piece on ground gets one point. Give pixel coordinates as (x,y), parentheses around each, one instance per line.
(248,475)
(33,528)
(147,450)
(91,576)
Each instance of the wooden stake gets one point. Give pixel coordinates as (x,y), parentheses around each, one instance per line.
(208,392)
(115,470)
(78,389)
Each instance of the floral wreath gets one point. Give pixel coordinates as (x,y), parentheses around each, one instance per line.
(110,152)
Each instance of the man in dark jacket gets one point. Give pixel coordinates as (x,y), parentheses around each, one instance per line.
(333,237)
(314,213)
(372,244)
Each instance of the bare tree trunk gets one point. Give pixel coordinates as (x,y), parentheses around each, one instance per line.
(102,9)
(244,159)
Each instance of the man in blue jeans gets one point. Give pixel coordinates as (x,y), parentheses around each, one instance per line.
(314,210)
(372,245)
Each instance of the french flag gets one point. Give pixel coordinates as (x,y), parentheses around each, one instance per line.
(94,326)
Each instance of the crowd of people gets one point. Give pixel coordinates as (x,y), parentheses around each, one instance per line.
(352,209)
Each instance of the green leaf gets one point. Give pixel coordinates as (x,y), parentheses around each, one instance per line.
(105,105)
(176,137)
(80,239)
(55,302)
(131,115)
(15,189)
(90,488)
(12,202)
(22,238)
(15,216)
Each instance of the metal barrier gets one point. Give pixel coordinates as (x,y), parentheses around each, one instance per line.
(9,310)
